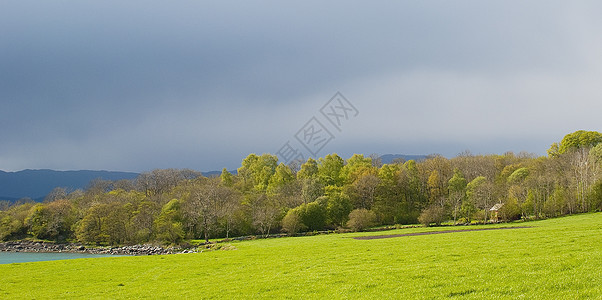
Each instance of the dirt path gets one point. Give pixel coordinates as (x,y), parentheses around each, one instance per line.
(374,237)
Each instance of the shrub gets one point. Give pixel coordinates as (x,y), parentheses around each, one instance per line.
(292,222)
(310,216)
(510,211)
(360,219)
(314,216)
(338,208)
(432,214)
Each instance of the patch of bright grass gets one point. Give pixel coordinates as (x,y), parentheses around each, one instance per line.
(557,258)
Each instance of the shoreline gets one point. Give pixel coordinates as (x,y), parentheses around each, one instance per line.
(48,247)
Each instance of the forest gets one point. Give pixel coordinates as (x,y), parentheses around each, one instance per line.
(171,206)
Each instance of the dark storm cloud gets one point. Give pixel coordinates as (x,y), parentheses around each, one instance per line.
(139,85)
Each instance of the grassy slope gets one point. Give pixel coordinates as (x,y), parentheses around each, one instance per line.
(558,258)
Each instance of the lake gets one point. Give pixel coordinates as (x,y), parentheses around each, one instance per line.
(21,257)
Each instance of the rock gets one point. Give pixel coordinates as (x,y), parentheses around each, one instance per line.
(28,246)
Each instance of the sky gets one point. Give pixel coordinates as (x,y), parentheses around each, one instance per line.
(139,85)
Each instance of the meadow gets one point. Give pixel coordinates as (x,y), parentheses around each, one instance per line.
(555,258)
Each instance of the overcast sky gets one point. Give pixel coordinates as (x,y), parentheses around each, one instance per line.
(138,85)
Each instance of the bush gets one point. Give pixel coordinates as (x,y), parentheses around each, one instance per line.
(292,222)
(338,208)
(510,211)
(314,216)
(360,219)
(432,214)
(481,215)
(310,216)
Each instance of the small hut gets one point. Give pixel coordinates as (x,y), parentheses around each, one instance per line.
(495,210)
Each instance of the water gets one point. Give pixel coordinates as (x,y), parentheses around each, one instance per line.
(21,257)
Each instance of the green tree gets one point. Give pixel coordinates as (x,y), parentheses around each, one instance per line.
(575,140)
(281,178)
(554,205)
(9,225)
(168,225)
(436,195)
(338,208)
(314,216)
(457,191)
(467,210)
(141,222)
(329,170)
(357,166)
(13,221)
(518,191)
(256,171)
(414,190)
(292,222)
(37,222)
(103,224)
(595,196)
(389,196)
(479,193)
(309,169)
(227,178)
(52,220)
(518,176)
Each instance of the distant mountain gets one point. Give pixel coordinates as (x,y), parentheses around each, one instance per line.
(215,173)
(389,158)
(36,184)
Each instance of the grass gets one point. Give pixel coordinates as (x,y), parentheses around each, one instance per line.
(557,258)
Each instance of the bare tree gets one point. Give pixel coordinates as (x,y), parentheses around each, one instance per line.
(365,190)
(124,184)
(99,186)
(265,212)
(56,194)
(208,201)
(377,162)
(229,204)
(160,181)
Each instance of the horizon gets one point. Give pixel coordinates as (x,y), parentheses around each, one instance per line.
(279,161)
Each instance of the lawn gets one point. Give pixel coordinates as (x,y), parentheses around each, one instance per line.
(553,259)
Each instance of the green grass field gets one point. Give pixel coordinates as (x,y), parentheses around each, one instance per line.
(555,259)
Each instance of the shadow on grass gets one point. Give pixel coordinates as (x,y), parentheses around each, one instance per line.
(375,237)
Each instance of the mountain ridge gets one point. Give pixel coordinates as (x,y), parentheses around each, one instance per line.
(37,183)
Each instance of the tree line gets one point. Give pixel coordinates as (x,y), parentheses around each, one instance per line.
(264,196)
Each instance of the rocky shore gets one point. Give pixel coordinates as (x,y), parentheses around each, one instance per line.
(45,247)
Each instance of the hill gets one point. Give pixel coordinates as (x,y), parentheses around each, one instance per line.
(36,184)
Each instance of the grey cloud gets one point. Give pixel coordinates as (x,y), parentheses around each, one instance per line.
(137,85)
